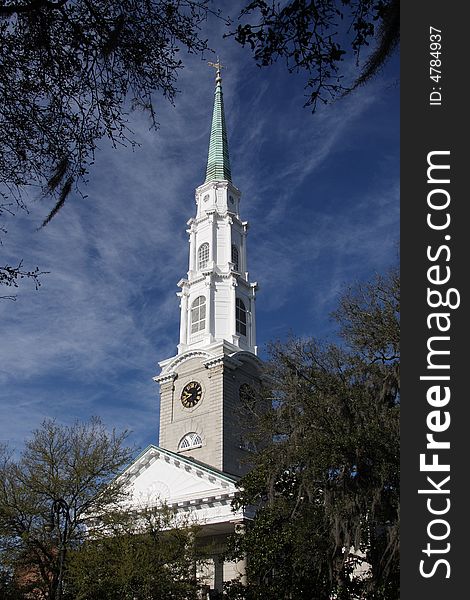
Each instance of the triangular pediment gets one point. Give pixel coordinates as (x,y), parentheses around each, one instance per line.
(158,475)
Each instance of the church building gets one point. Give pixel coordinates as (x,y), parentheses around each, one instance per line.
(201,452)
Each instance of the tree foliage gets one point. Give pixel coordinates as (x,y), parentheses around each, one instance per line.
(70,72)
(146,556)
(64,476)
(10,277)
(315,37)
(326,486)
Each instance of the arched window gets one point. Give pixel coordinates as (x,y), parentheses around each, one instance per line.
(203,256)
(235,257)
(240,316)
(198,314)
(190,440)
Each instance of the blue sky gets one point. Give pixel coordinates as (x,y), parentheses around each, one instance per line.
(321,193)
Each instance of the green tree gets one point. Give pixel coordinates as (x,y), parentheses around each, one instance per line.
(47,496)
(315,37)
(9,589)
(146,556)
(326,485)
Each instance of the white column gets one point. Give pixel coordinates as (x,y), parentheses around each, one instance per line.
(218,573)
(192,249)
(243,260)
(229,222)
(232,320)
(209,306)
(213,245)
(240,529)
(253,321)
(184,317)
(241,266)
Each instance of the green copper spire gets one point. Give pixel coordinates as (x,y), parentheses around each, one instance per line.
(218,162)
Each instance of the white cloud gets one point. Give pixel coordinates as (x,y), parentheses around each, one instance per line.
(88,341)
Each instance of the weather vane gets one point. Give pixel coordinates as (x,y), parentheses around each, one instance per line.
(217,65)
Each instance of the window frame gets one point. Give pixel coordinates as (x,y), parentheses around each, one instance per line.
(240,317)
(235,254)
(191,440)
(200,311)
(203,256)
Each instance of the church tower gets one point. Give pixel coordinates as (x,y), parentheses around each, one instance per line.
(203,387)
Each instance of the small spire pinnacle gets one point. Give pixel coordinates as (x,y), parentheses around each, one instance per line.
(218,66)
(218,162)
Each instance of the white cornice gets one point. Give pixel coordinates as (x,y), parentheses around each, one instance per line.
(215,213)
(227,361)
(165,378)
(221,183)
(210,501)
(216,353)
(245,356)
(217,275)
(169,365)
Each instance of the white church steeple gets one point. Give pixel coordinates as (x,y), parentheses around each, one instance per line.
(207,388)
(203,387)
(217,297)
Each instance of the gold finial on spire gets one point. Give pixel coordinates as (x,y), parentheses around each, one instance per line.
(218,66)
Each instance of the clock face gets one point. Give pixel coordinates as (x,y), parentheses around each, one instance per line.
(191,394)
